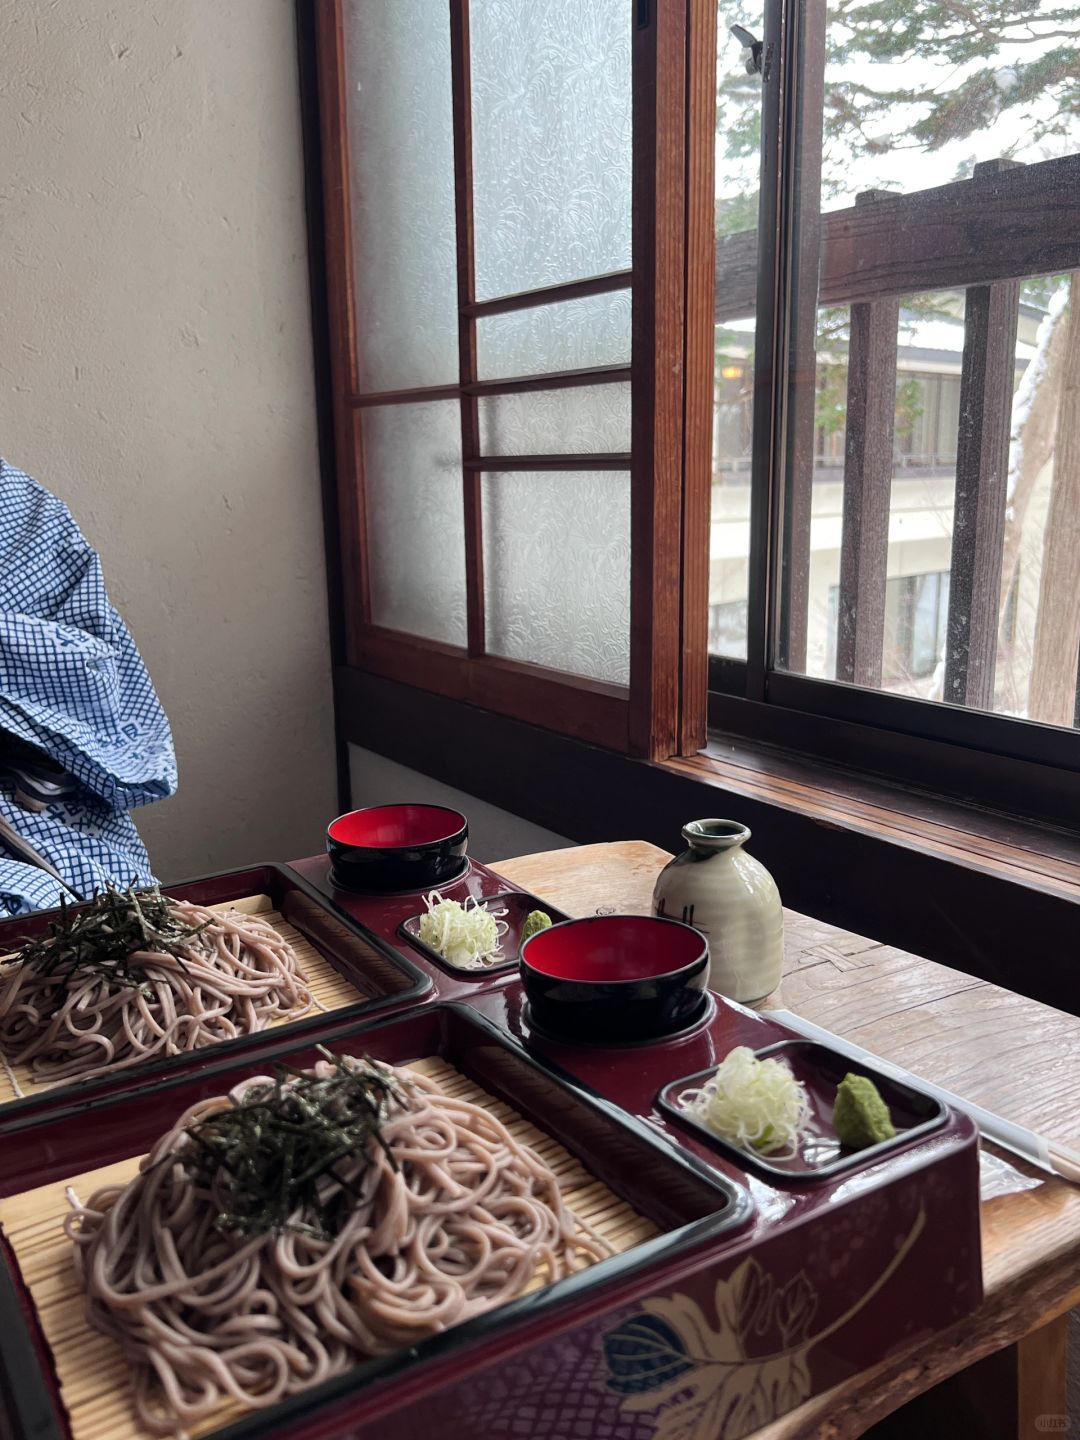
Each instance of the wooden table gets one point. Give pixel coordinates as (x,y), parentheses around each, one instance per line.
(996,1048)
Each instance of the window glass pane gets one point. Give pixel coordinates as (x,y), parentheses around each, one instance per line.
(919,487)
(401,186)
(727,627)
(737,144)
(551,141)
(1035,665)
(927,551)
(916,607)
(569,335)
(416,527)
(929,609)
(575,419)
(557,569)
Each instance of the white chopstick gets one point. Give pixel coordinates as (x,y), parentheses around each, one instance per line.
(1048,1155)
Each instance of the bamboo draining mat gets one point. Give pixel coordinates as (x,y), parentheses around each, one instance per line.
(93,1376)
(330,989)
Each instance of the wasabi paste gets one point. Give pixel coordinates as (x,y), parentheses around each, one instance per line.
(860,1115)
(535,921)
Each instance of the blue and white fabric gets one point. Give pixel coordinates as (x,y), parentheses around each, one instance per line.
(73,684)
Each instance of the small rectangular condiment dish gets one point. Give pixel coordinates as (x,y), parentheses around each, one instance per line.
(819,1155)
(517,905)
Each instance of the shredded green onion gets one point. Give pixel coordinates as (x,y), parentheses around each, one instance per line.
(757,1104)
(464,935)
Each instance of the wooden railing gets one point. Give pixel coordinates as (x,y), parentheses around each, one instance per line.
(981,236)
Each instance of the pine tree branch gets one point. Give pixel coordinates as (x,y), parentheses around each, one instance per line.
(966,13)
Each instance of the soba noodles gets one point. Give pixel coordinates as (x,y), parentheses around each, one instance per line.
(139,976)
(438,1216)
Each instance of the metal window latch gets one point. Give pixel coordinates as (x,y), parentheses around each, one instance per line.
(754,49)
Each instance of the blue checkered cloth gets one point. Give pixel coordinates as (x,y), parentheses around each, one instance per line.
(72,684)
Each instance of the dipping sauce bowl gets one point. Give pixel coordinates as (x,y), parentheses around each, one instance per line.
(615,977)
(387,849)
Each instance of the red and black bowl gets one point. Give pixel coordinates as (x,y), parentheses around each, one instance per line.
(388,849)
(612,978)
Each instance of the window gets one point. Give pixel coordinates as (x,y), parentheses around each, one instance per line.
(914,640)
(727,627)
(658,385)
(916,607)
(912,332)
(502,312)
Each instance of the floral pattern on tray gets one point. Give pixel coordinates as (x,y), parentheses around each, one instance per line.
(704,1375)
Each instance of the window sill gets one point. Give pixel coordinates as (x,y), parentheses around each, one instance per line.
(986,893)
(1016,850)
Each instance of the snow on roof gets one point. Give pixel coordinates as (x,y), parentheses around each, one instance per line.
(940,334)
(943,332)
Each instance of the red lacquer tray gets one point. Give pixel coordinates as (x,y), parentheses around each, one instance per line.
(444,1383)
(705,1334)
(838,1269)
(389,916)
(385,979)
(722,1323)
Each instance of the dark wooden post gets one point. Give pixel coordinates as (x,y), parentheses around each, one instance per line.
(472,494)
(987,377)
(868,470)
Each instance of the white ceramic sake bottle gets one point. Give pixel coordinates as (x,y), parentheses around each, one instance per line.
(733,900)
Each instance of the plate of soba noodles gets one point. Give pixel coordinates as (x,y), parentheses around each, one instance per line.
(140,976)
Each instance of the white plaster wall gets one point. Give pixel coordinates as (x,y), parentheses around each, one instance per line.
(156,373)
(494,834)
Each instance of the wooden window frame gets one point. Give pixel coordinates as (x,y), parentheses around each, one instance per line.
(662,710)
(1000,761)
(940,898)
(682,280)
